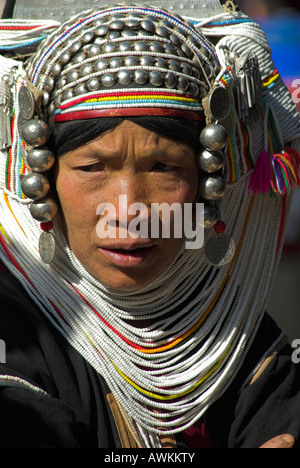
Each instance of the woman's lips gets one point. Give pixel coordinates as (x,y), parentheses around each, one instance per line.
(127,257)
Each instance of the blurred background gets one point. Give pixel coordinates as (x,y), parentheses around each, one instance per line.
(280,19)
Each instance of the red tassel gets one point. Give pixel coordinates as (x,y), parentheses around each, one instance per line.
(260,181)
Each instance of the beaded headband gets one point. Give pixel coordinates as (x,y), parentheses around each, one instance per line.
(114,62)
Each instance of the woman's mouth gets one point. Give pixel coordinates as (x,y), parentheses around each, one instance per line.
(127,257)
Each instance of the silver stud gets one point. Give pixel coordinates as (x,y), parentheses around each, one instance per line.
(194,89)
(175,39)
(93,50)
(61,82)
(187,50)
(109,47)
(170,49)
(117,25)
(141,46)
(35,132)
(125,77)
(162,31)
(44,210)
(115,62)
(46,98)
(170,80)
(186,69)
(80,57)
(49,84)
(211,187)
(131,61)
(151,18)
(93,84)
(57,101)
(210,161)
(75,46)
(35,186)
(125,46)
(55,69)
(156,47)
(40,159)
(174,65)
(65,57)
(101,30)
(167,24)
(86,70)
(133,23)
(182,83)
(68,94)
(148,26)
(128,33)
(156,78)
(214,137)
(113,35)
(140,77)
(210,215)
(87,37)
(147,61)
(161,63)
(100,65)
(72,76)
(108,80)
(80,89)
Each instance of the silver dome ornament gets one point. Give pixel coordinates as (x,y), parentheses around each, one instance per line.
(35,132)
(40,159)
(214,137)
(219,248)
(125,77)
(140,77)
(47,247)
(210,215)
(35,186)
(44,210)
(108,80)
(156,78)
(210,161)
(93,84)
(211,187)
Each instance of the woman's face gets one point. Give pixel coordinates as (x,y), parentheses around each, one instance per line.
(141,167)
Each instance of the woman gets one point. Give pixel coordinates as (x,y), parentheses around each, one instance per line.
(114,337)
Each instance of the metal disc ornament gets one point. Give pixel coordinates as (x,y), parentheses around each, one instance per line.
(47,247)
(219,103)
(219,249)
(26,103)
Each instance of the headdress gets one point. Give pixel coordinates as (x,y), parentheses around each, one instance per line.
(140,59)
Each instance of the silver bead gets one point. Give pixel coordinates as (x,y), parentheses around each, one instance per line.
(94,50)
(68,94)
(87,37)
(162,31)
(93,84)
(174,65)
(35,132)
(80,89)
(125,46)
(108,80)
(55,69)
(211,187)
(161,63)
(109,47)
(170,80)
(65,57)
(40,159)
(100,65)
(128,33)
(35,186)
(113,35)
(115,62)
(214,137)
(156,78)
(46,98)
(117,25)
(170,49)
(147,61)
(141,46)
(182,83)
(133,23)
(131,61)
(86,70)
(210,215)
(186,69)
(140,77)
(72,76)
(80,57)
(44,210)
(210,161)
(157,47)
(75,46)
(148,25)
(49,84)
(194,89)
(61,82)
(101,30)
(175,39)
(125,77)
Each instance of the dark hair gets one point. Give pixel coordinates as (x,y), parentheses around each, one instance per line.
(68,136)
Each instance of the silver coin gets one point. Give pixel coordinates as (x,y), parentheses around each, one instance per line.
(219,249)
(26,103)
(47,247)
(219,103)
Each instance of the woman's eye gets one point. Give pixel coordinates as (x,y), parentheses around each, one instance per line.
(162,167)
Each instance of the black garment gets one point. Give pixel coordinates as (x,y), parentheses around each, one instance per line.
(75,412)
